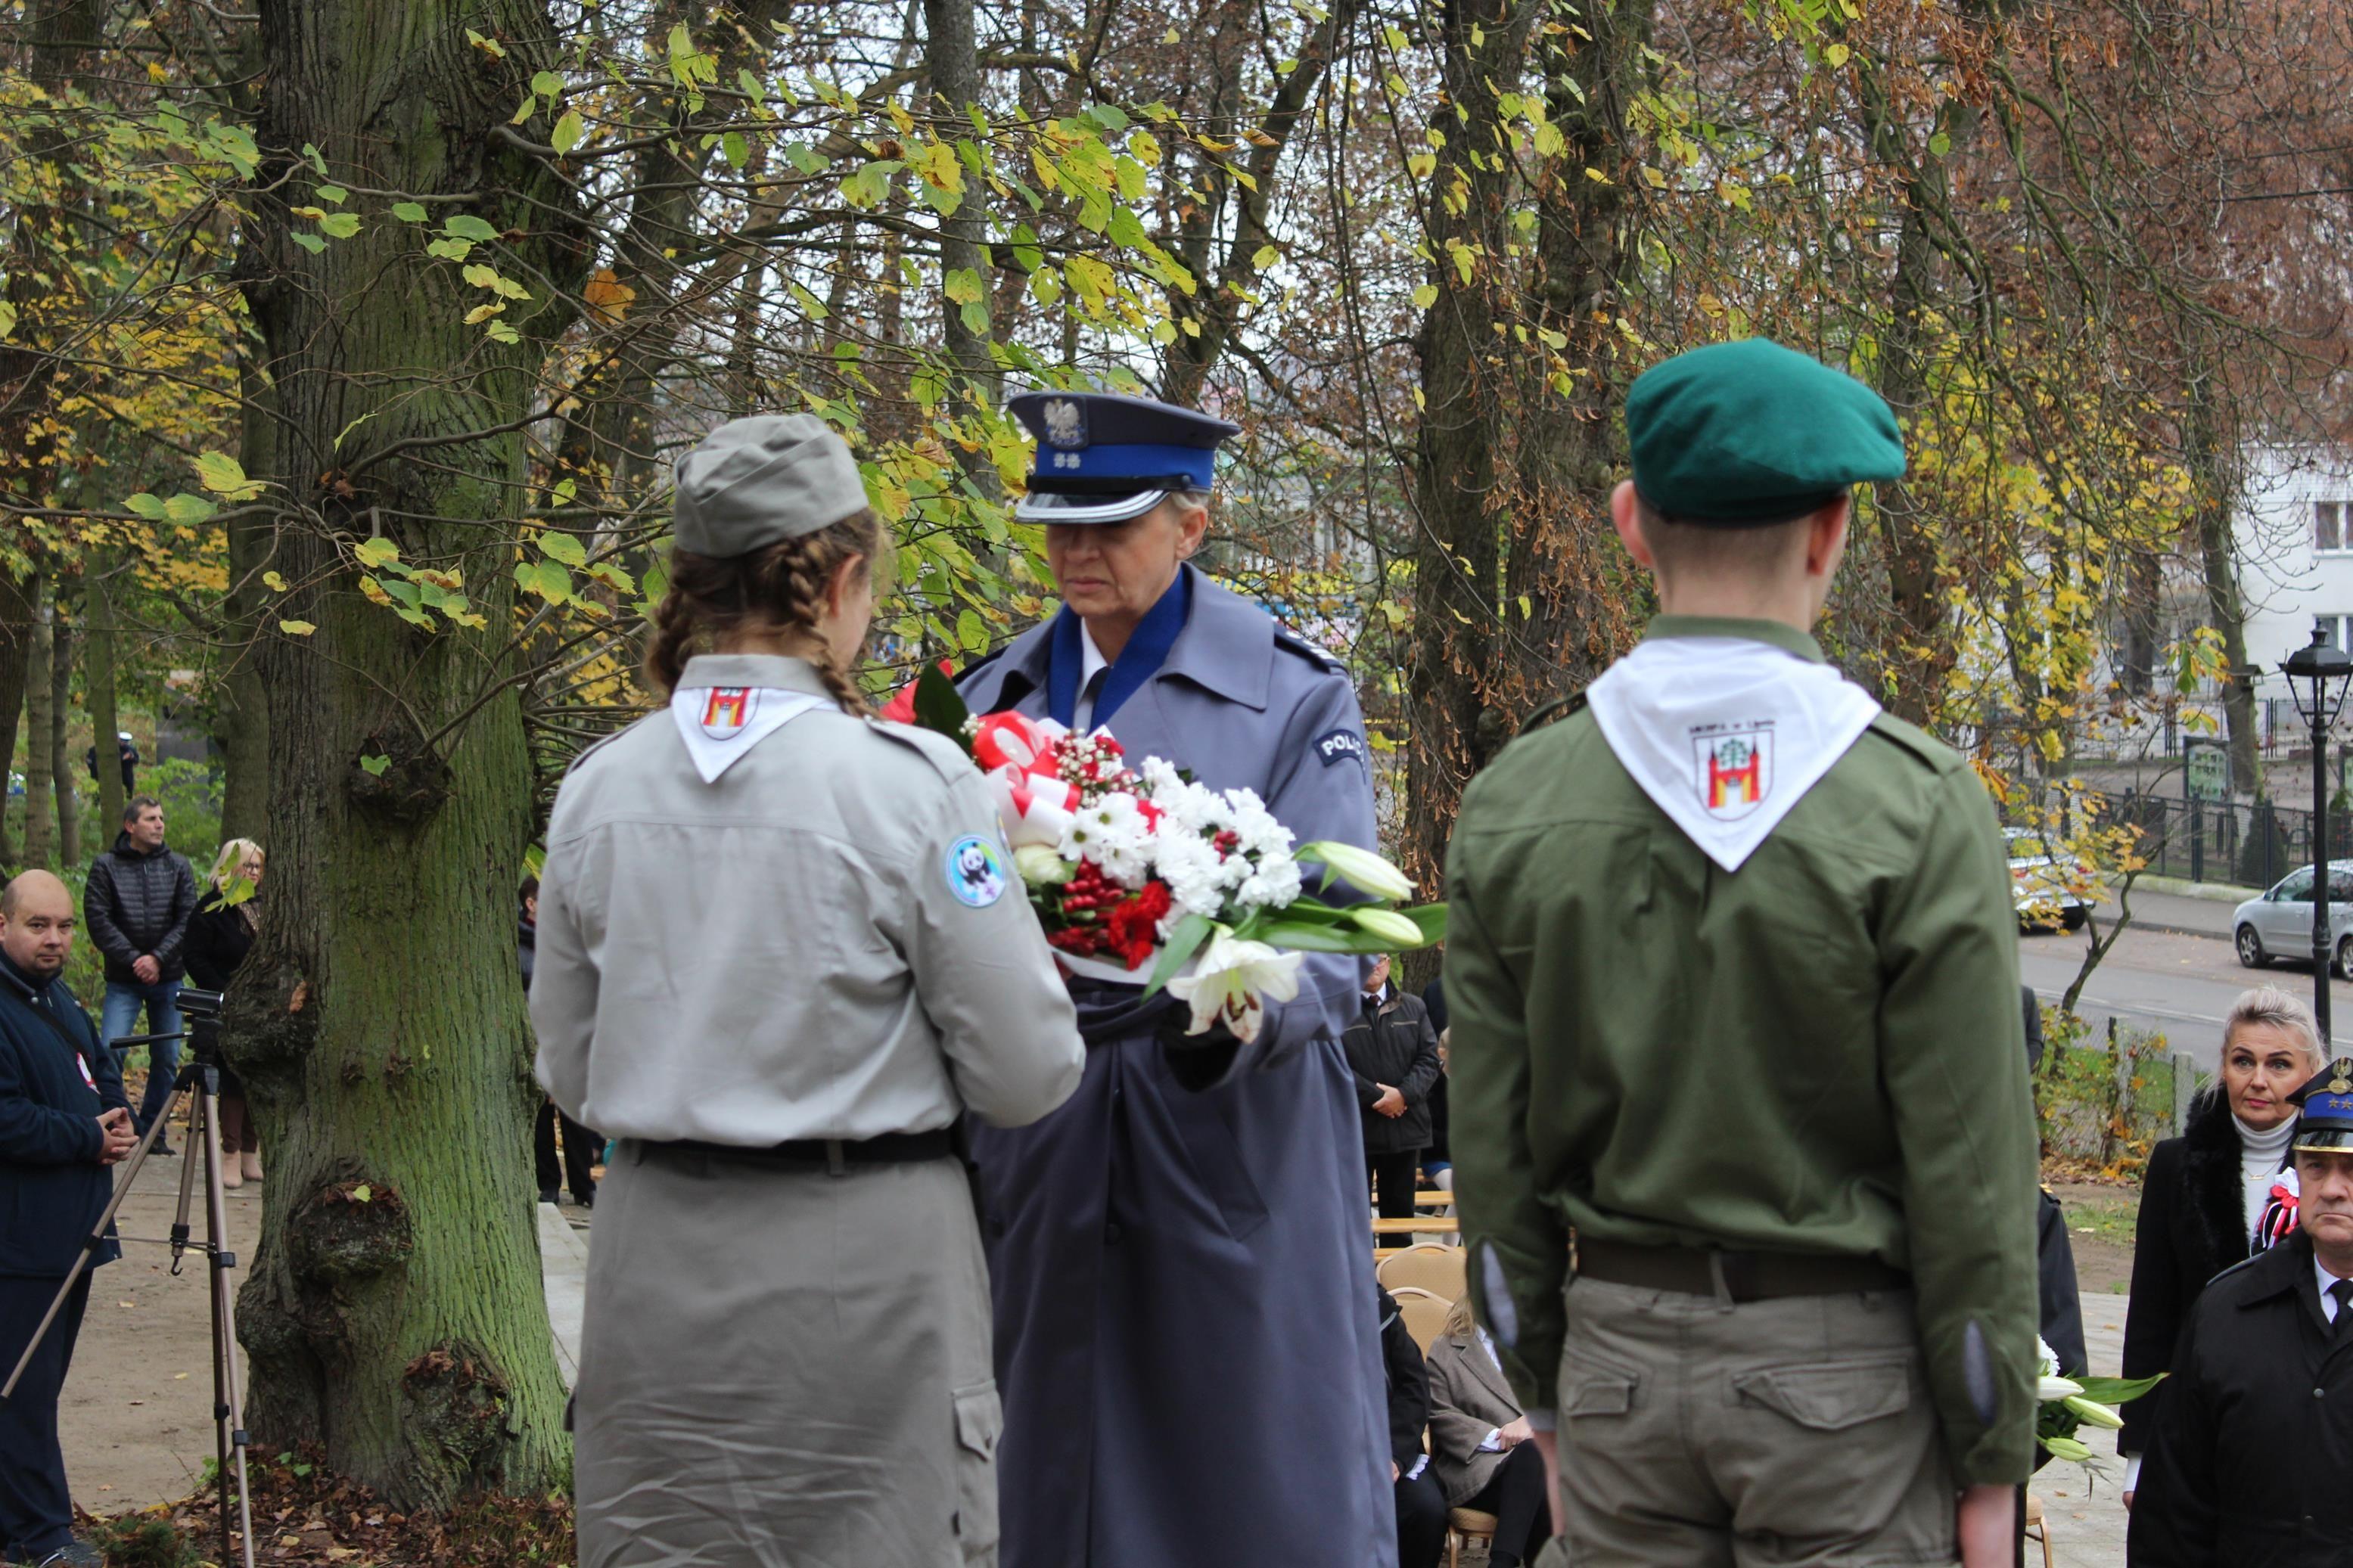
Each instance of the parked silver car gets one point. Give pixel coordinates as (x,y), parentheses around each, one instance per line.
(2279,924)
(2039,886)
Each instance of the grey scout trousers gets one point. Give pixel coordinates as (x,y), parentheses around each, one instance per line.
(1699,1434)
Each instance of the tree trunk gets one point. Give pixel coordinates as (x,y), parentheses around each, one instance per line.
(2213,465)
(19,621)
(952,59)
(1458,449)
(41,737)
(243,705)
(61,757)
(394,1313)
(98,644)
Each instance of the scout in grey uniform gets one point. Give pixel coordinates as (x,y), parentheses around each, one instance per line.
(1181,1253)
(781,950)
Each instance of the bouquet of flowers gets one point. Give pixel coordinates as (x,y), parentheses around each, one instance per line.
(1143,876)
(2064,1404)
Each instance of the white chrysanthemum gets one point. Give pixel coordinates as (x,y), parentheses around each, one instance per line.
(1113,833)
(1273,885)
(1261,833)
(1192,871)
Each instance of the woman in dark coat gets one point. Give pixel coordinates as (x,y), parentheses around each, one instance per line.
(2204,1194)
(220,936)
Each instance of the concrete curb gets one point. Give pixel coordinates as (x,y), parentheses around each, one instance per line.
(2181,888)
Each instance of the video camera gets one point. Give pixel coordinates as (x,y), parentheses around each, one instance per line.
(195,1004)
(195,1007)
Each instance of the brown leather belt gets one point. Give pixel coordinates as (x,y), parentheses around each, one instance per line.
(1742,1275)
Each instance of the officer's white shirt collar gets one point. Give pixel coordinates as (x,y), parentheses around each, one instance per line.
(2327,1301)
(1092,663)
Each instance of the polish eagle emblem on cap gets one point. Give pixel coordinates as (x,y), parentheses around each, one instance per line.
(1066,423)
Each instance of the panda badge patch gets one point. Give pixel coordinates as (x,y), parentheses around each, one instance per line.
(976,872)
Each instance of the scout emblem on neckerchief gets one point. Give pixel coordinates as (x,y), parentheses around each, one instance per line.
(1725,734)
(720,724)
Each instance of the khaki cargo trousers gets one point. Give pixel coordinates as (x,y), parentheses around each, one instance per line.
(1699,1434)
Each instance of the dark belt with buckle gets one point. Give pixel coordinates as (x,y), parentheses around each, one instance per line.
(1742,1275)
(824,1153)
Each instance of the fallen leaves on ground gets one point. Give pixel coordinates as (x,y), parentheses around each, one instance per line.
(302,1515)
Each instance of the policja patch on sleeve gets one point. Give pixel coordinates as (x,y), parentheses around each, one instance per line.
(976,871)
(1342,745)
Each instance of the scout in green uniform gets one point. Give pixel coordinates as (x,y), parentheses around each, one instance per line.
(1733,973)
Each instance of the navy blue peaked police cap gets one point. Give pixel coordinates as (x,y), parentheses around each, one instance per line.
(1104,457)
(2325,1123)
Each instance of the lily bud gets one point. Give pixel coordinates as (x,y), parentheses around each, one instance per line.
(1389,925)
(2095,1414)
(1360,868)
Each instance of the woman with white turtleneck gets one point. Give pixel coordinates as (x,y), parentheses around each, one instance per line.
(2207,1199)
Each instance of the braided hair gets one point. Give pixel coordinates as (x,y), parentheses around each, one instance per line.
(779,588)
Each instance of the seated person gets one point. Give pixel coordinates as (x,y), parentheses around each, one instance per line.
(1421,1505)
(2250,1455)
(1479,1442)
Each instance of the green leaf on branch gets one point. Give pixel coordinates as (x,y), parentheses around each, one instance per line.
(544,578)
(374,767)
(309,242)
(376,553)
(570,131)
(341,225)
(450,250)
(146,506)
(563,547)
(466,226)
(409,212)
(548,85)
(224,475)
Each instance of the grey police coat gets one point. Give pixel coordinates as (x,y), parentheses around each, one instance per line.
(1179,1272)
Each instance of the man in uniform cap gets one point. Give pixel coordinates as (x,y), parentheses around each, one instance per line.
(1733,975)
(1179,1255)
(2254,1440)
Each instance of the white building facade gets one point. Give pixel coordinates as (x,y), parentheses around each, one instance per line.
(2295,548)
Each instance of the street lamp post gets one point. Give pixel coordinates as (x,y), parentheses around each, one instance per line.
(2331,671)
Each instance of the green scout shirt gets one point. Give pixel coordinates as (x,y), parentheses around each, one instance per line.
(1821,1053)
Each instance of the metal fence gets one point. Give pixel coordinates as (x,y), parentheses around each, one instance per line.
(2250,844)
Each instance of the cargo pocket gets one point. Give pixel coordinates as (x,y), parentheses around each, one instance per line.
(979,1419)
(1595,1387)
(1830,1398)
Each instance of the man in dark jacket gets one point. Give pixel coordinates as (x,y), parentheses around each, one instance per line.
(63,1121)
(1421,1502)
(2254,1440)
(1393,1051)
(137,906)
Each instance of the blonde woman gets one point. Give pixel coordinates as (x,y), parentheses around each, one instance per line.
(2204,1196)
(221,933)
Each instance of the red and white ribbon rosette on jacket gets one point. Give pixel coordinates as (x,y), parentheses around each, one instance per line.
(1035,804)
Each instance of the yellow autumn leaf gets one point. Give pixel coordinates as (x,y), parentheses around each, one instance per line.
(297,628)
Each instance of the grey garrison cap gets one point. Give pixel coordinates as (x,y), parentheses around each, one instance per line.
(755,481)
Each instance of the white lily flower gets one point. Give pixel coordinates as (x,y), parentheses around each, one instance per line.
(2046,1360)
(2050,1389)
(1389,925)
(2092,1414)
(1361,869)
(1231,980)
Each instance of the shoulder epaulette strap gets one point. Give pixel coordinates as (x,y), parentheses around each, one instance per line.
(1292,642)
(1909,737)
(1558,708)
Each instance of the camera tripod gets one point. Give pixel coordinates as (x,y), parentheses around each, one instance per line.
(200,1078)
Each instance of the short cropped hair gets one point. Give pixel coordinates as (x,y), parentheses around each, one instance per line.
(2270,1006)
(136,804)
(1682,545)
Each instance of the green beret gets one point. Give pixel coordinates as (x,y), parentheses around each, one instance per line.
(1750,431)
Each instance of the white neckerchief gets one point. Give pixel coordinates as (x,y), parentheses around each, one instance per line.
(1726,734)
(720,724)
(1092,663)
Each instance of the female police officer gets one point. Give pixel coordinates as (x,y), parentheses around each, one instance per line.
(767,967)
(1179,1255)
